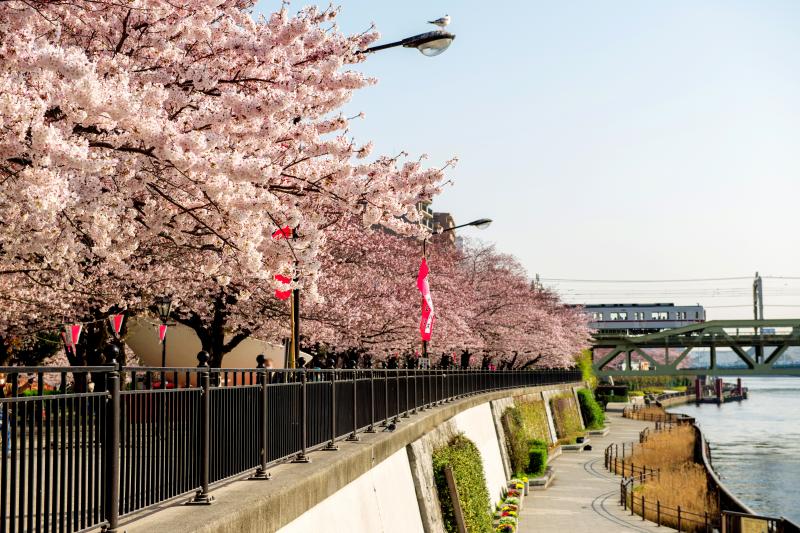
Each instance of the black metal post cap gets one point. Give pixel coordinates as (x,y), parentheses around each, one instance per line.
(203,357)
(112,352)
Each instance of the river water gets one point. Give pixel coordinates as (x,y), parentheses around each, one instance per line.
(755,444)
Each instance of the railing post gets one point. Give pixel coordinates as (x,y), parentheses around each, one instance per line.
(331,446)
(302,457)
(405,412)
(679,518)
(385,398)
(353,437)
(112,450)
(643,508)
(371,428)
(263,380)
(202,497)
(397,396)
(658,513)
(416,372)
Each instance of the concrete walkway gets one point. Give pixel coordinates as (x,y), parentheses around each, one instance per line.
(584,497)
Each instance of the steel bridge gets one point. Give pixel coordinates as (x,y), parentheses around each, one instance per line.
(758,347)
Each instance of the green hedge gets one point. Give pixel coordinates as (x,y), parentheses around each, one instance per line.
(465,460)
(537,454)
(593,416)
(522,424)
(566,417)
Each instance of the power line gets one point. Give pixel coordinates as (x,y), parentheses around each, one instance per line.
(688,280)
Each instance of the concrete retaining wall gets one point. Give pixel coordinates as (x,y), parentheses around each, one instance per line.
(383,499)
(478,426)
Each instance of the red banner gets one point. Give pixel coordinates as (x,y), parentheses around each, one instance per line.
(72,333)
(162,332)
(428,316)
(116,323)
(283,294)
(282,233)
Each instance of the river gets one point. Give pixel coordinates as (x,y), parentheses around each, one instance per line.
(755,444)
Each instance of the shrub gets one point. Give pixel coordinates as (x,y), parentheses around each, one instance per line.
(537,458)
(584,363)
(593,415)
(566,416)
(464,458)
(613,398)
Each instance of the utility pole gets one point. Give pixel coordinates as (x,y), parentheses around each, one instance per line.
(758,313)
(758,298)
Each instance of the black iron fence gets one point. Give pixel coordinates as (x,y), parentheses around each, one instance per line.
(82,446)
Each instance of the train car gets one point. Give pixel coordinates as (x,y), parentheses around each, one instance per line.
(640,319)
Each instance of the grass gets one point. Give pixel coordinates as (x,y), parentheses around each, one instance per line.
(681,482)
(685,486)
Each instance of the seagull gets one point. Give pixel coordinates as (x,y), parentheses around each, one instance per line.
(441,21)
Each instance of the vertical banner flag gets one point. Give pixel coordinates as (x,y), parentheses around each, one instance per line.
(426,322)
(162,332)
(283,294)
(116,323)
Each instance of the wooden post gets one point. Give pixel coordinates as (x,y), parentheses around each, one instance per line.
(453,490)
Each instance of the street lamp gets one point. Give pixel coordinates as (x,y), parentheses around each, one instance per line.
(163,306)
(481,223)
(430,44)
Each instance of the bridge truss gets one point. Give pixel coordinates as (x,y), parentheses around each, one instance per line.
(758,346)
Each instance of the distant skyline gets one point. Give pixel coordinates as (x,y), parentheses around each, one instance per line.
(619,140)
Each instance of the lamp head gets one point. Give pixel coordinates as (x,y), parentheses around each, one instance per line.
(164,306)
(481,223)
(432,43)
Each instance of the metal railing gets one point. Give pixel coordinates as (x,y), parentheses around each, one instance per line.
(655,414)
(174,431)
(680,519)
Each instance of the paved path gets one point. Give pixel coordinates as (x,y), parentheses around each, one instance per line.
(584,497)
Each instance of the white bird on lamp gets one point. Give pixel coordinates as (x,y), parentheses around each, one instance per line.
(441,21)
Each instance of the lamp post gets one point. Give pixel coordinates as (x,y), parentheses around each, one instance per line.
(430,44)
(164,305)
(481,223)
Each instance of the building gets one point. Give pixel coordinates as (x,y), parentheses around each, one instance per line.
(426,214)
(640,319)
(442,221)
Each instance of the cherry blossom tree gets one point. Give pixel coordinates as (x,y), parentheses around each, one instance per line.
(153,147)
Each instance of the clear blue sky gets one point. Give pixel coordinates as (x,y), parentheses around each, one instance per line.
(627,139)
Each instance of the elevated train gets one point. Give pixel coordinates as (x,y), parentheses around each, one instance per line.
(641,319)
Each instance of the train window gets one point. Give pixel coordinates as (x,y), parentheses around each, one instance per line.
(661,315)
(623,315)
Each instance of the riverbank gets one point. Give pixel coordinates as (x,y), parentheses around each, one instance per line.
(755,445)
(733,510)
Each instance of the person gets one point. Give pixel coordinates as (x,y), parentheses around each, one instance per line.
(272,377)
